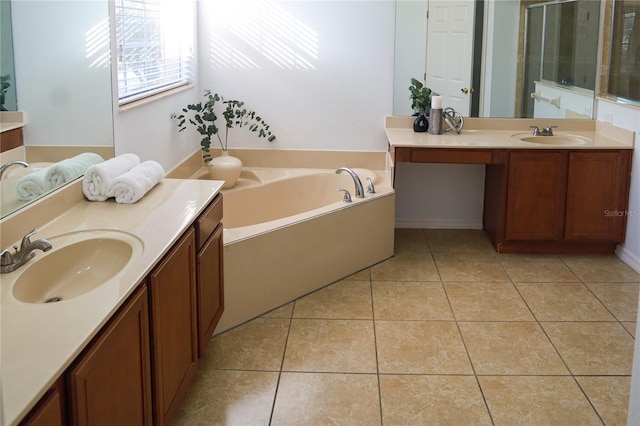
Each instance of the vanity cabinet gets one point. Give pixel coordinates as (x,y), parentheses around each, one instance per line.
(110,383)
(558,200)
(536,195)
(50,411)
(139,366)
(174,337)
(597,195)
(210,272)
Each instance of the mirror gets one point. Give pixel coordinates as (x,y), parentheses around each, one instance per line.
(62,79)
(624,54)
(7,71)
(507,81)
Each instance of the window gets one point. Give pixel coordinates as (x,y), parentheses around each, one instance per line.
(153,46)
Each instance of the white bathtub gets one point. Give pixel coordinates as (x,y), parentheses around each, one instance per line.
(287,232)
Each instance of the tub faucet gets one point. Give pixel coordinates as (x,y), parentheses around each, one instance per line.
(10,262)
(12,163)
(356,180)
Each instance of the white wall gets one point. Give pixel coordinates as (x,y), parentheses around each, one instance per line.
(501,49)
(410,51)
(62,63)
(319,72)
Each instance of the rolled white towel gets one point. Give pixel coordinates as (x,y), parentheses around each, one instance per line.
(133,185)
(98,178)
(32,185)
(67,170)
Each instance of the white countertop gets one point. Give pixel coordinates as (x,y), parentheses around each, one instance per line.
(499,134)
(39,341)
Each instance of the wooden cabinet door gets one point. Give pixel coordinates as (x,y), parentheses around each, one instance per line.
(174,339)
(111,384)
(597,195)
(536,191)
(210,288)
(50,409)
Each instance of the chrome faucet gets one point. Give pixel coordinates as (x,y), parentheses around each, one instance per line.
(10,262)
(356,180)
(4,167)
(546,131)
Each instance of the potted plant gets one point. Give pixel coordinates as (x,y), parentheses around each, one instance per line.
(4,86)
(203,116)
(421,104)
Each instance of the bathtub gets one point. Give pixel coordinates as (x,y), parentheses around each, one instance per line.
(287,232)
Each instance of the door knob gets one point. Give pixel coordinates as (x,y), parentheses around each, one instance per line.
(465,90)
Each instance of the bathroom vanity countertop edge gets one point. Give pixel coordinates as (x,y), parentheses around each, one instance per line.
(498,134)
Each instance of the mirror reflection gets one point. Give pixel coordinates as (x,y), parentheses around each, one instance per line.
(624,79)
(526,58)
(62,81)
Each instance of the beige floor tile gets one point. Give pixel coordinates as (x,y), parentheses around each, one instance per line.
(563,302)
(630,326)
(327,399)
(536,268)
(469,267)
(592,348)
(285,311)
(410,301)
(609,395)
(606,268)
(536,400)
(364,275)
(620,298)
(344,346)
(487,302)
(420,347)
(224,397)
(458,240)
(406,267)
(432,400)
(410,241)
(517,348)
(342,300)
(256,345)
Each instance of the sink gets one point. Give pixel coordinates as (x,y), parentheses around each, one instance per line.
(557,139)
(78,263)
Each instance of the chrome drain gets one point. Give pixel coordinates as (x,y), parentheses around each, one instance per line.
(53,299)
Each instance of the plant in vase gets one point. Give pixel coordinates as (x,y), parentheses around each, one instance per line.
(203,116)
(421,104)
(4,86)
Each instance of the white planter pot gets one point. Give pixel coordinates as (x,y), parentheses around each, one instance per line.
(226,168)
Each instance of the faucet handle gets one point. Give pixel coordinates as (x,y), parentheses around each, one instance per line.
(26,240)
(370,188)
(6,258)
(549,130)
(347,195)
(536,131)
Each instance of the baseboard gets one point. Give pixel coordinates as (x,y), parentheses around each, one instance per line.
(628,258)
(438,224)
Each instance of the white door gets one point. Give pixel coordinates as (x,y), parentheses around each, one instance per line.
(450,52)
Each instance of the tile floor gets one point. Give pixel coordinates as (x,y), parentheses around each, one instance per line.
(445,332)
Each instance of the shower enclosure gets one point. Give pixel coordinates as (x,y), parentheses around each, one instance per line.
(561,48)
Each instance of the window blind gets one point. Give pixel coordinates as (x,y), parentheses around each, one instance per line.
(154,46)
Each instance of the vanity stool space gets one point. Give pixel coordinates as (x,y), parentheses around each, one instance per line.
(539,198)
(137,369)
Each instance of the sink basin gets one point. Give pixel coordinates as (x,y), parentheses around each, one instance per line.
(558,139)
(78,263)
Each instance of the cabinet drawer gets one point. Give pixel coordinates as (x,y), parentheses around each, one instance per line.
(208,221)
